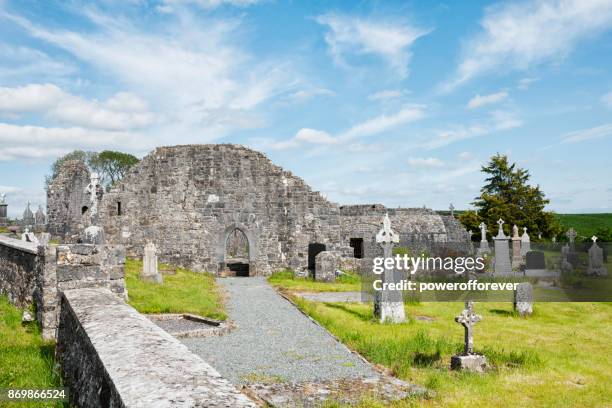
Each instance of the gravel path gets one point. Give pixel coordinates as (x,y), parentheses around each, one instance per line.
(273,341)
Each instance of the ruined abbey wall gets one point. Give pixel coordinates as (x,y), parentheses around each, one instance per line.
(66,199)
(189,199)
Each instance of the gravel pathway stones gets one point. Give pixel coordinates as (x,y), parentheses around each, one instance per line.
(273,341)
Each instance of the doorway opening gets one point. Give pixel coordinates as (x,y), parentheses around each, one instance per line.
(357,245)
(313,250)
(237,253)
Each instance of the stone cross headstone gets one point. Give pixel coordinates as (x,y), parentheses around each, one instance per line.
(571,236)
(452,210)
(525,242)
(523,299)
(93,189)
(388,304)
(484,244)
(539,235)
(596,265)
(468,360)
(517,258)
(149,264)
(502,252)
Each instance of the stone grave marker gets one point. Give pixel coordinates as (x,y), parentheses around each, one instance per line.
(469,360)
(149,264)
(388,304)
(326,264)
(535,260)
(523,299)
(596,265)
(502,252)
(517,258)
(484,244)
(525,242)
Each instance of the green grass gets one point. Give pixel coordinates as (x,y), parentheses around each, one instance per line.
(286,281)
(183,292)
(585,224)
(26,361)
(557,357)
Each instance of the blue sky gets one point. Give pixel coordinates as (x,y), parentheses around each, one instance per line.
(398,103)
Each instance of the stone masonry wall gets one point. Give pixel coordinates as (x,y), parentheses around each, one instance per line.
(38,274)
(112,356)
(188,199)
(19,262)
(66,199)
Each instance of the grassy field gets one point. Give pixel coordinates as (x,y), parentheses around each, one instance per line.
(286,281)
(585,224)
(559,357)
(182,292)
(26,361)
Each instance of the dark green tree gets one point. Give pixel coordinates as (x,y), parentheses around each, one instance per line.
(471,221)
(111,165)
(507,194)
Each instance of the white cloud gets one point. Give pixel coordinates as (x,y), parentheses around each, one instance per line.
(384,122)
(29,98)
(387,94)
(482,100)
(35,142)
(525,83)
(464,156)
(607,99)
(356,36)
(191,70)
(314,136)
(309,93)
(121,112)
(425,162)
(598,132)
(499,121)
(376,125)
(168,6)
(519,35)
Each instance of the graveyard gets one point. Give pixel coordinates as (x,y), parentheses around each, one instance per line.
(279,204)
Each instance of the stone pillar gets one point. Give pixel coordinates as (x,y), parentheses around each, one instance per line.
(523,299)
(3,214)
(502,252)
(149,264)
(517,258)
(388,304)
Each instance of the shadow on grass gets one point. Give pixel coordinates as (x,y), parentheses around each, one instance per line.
(366,317)
(502,312)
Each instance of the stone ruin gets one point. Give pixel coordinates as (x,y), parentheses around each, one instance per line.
(220,207)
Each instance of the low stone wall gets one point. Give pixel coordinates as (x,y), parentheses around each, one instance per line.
(31,273)
(114,357)
(18,260)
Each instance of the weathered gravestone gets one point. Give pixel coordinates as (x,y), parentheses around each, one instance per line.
(523,299)
(484,244)
(566,266)
(469,360)
(535,260)
(326,265)
(149,264)
(525,242)
(596,266)
(502,252)
(388,304)
(517,258)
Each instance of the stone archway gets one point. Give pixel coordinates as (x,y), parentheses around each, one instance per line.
(237,252)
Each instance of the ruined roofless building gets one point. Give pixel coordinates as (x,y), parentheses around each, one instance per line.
(217,206)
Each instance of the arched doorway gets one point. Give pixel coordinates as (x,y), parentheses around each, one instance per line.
(237,252)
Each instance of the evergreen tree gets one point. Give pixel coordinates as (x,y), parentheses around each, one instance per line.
(508,195)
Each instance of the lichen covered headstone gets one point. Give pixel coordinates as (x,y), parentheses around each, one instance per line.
(149,264)
(326,264)
(523,299)
(596,265)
